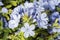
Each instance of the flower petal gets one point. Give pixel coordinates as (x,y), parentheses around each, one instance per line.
(4,10)
(32,27)
(31,33)
(54,30)
(12,24)
(26,25)
(26,34)
(1,4)
(23,29)
(58,30)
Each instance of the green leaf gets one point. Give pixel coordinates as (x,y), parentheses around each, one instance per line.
(6,15)
(58,9)
(14,3)
(29,38)
(9,11)
(55,35)
(20,1)
(50,37)
(41,31)
(6,1)
(8,6)
(55,24)
(1,25)
(5,35)
(0,39)
(39,38)
(31,0)
(0,8)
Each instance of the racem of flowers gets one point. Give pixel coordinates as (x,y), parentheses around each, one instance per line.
(37,20)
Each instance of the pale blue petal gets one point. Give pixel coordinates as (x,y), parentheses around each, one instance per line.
(32,27)
(26,25)
(4,10)
(13,24)
(26,34)
(58,30)
(1,4)
(54,30)
(31,33)
(23,29)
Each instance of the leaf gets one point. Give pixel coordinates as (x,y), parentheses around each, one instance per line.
(6,15)
(58,9)
(14,3)
(10,10)
(39,38)
(1,25)
(0,8)
(5,36)
(12,37)
(0,39)
(6,1)
(55,35)
(55,24)
(31,0)
(50,38)
(29,38)
(41,31)
(20,1)
(8,6)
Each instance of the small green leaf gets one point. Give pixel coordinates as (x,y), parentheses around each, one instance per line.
(5,36)
(14,3)
(1,25)
(6,15)
(29,38)
(9,11)
(50,38)
(31,0)
(39,38)
(0,8)
(8,6)
(58,9)
(55,24)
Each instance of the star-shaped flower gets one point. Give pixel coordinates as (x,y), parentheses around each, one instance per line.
(13,24)
(28,30)
(42,20)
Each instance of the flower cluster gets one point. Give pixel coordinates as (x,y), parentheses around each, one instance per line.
(36,10)
(33,18)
